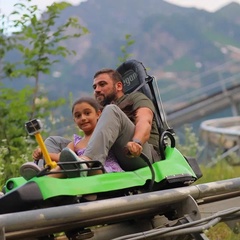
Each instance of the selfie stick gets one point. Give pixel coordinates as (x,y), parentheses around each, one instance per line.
(34,127)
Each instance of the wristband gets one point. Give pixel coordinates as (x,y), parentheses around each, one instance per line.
(137,141)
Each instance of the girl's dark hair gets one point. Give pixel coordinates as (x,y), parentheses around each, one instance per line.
(91,101)
(115,75)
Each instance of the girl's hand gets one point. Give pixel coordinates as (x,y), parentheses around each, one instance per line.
(37,154)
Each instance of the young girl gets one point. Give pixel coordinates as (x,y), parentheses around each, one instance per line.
(86,112)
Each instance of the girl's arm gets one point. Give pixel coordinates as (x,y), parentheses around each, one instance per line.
(71,146)
(37,153)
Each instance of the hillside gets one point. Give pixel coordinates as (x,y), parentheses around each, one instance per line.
(174,43)
(168,38)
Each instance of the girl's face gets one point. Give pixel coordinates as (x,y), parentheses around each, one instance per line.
(85,116)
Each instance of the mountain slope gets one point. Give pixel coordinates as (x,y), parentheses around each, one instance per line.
(167,38)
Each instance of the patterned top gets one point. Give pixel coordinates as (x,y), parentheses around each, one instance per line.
(110,165)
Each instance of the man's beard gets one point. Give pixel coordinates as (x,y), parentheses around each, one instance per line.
(105,100)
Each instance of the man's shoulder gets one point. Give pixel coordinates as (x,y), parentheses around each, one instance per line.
(138,95)
(141,100)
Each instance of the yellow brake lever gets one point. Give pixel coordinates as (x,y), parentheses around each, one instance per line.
(34,127)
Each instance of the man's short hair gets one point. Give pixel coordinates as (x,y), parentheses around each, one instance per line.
(115,75)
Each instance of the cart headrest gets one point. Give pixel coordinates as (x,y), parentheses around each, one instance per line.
(134,74)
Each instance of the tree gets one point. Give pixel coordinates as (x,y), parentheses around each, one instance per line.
(38,41)
(43,40)
(124,48)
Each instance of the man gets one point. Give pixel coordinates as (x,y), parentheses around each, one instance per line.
(127,125)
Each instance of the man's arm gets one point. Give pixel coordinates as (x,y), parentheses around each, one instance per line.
(143,125)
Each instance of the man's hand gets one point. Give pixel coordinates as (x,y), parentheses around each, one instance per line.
(37,154)
(134,149)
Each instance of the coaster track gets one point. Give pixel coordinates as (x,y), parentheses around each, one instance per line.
(195,208)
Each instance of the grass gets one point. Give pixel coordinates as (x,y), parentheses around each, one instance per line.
(221,171)
(222,232)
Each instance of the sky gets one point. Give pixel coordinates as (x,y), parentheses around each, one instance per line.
(6,6)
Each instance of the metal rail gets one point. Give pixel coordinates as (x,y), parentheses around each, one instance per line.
(229,126)
(58,219)
(223,133)
(218,88)
(204,106)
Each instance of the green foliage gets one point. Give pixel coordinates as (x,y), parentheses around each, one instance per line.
(124,49)
(223,169)
(222,231)
(14,147)
(190,145)
(37,40)
(6,43)
(220,171)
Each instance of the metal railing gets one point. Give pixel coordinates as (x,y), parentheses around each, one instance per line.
(223,133)
(219,80)
(20,225)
